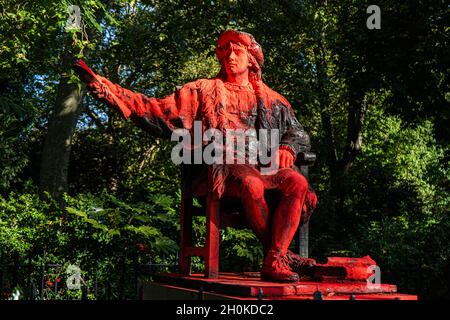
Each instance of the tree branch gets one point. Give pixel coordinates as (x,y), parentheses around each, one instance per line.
(95,118)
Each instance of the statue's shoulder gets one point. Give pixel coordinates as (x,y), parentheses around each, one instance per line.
(272,97)
(202,85)
(207,84)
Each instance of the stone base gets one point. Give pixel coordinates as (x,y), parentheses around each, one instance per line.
(249,286)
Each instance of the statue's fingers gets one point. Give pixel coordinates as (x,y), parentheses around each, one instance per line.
(291,161)
(282,160)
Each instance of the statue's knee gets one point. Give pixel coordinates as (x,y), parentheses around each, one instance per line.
(253,187)
(309,205)
(295,184)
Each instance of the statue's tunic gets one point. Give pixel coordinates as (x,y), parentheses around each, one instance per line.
(220,105)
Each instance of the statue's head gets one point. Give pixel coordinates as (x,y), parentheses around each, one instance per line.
(238,51)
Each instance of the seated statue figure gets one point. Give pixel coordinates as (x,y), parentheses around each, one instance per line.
(236,98)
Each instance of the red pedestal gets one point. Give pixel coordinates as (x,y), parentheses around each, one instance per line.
(243,286)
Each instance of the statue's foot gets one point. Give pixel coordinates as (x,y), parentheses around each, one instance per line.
(304,267)
(276,268)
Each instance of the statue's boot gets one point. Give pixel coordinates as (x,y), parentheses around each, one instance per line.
(275,268)
(304,267)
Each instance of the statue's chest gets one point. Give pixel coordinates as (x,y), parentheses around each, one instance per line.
(239,109)
(226,107)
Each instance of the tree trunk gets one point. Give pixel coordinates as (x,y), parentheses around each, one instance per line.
(56,151)
(355,126)
(332,159)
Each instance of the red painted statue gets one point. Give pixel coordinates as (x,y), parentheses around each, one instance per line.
(236,98)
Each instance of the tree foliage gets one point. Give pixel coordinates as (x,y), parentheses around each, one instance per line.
(375,103)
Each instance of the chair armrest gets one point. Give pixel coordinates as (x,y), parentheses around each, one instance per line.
(305,158)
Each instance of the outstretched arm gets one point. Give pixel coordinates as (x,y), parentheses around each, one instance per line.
(100,87)
(159,116)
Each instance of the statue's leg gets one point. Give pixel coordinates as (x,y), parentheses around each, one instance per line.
(286,218)
(248,186)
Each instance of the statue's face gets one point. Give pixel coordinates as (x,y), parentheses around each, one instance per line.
(235,59)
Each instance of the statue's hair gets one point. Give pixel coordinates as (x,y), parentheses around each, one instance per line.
(256,59)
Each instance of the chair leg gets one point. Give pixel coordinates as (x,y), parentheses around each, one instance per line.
(303,240)
(185,264)
(212,238)
(185,233)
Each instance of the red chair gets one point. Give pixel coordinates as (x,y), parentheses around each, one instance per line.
(218,214)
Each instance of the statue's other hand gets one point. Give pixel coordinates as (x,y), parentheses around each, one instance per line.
(84,72)
(285,159)
(97,88)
